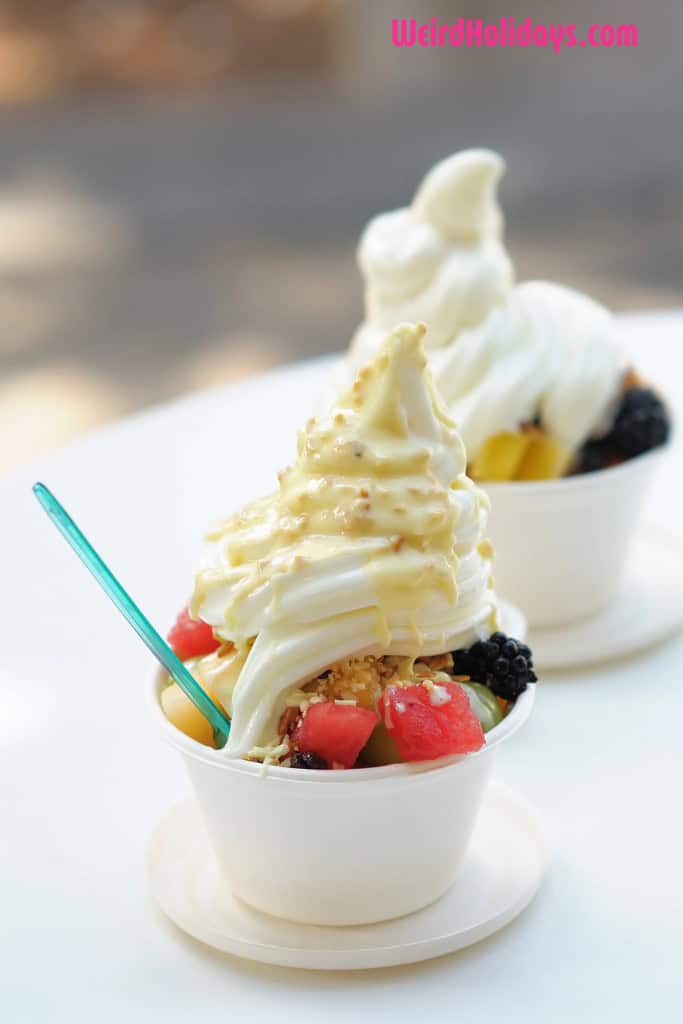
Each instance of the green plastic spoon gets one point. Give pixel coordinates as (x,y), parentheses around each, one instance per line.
(130,611)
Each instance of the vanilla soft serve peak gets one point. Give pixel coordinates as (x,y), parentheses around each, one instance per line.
(439,260)
(373,544)
(503,355)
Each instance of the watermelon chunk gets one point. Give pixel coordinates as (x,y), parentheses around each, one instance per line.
(335,732)
(426,723)
(190,639)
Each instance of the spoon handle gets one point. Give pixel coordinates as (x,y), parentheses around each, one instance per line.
(130,611)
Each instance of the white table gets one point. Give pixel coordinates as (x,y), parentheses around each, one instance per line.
(83,778)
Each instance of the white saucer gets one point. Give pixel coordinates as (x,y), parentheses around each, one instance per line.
(648,608)
(503,869)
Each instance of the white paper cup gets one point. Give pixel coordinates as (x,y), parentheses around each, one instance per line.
(339,847)
(561,545)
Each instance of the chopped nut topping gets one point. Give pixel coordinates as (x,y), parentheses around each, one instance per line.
(287,721)
(356,682)
(439,662)
(485,549)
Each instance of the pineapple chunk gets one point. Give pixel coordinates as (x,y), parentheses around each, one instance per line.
(183,714)
(501,457)
(544,459)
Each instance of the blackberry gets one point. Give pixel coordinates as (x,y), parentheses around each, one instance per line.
(306,759)
(595,455)
(642,422)
(501,663)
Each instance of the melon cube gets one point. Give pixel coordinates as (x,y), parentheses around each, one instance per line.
(180,710)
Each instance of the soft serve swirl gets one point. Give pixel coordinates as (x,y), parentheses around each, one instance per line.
(501,355)
(374,543)
(549,352)
(439,260)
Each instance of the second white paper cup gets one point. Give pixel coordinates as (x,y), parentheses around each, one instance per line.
(339,847)
(561,545)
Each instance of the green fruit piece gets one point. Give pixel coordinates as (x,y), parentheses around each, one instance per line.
(380,749)
(484,704)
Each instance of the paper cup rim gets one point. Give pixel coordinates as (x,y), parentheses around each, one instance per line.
(581,481)
(515,718)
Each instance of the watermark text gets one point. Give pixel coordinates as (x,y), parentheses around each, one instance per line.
(508,32)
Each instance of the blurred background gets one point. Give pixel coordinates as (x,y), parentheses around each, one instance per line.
(183,182)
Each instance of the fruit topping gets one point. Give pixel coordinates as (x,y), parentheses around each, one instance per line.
(529,454)
(335,732)
(500,457)
(501,663)
(380,749)
(190,638)
(544,459)
(485,704)
(642,422)
(429,722)
(307,759)
(180,710)
(595,455)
